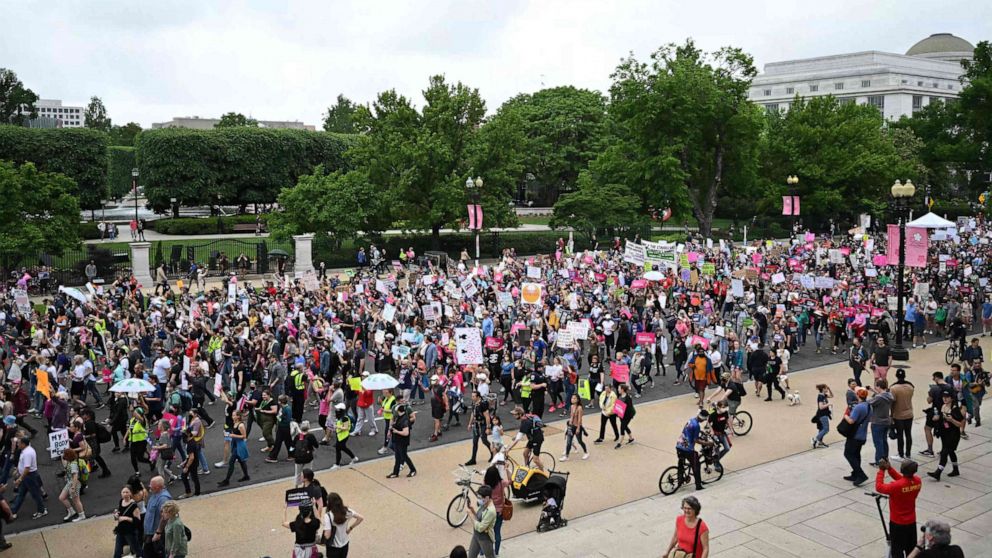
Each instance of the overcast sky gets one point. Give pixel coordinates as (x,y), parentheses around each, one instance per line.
(288,60)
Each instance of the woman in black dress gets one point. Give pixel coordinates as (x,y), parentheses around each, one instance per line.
(948,421)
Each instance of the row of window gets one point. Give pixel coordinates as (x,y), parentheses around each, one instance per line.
(877,101)
(55,110)
(839,86)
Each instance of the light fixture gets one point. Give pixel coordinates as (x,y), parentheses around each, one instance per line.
(468,183)
(134,172)
(478,182)
(909,188)
(896,189)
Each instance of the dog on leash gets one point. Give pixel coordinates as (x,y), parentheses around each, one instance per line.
(794,398)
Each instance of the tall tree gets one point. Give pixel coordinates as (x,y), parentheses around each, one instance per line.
(341,117)
(17,103)
(236,120)
(423,158)
(563,128)
(684,126)
(598,207)
(39,211)
(976,109)
(95,115)
(124,135)
(843,155)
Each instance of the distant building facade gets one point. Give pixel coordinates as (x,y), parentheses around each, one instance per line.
(897,84)
(53,114)
(197,123)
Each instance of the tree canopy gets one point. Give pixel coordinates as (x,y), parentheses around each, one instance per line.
(95,115)
(124,135)
(340,117)
(236,120)
(595,206)
(17,103)
(39,213)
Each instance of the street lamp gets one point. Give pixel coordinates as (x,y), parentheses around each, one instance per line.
(474,188)
(792,181)
(902,194)
(134,188)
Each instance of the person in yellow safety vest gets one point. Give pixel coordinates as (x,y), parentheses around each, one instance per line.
(387,401)
(343,428)
(299,392)
(524,385)
(137,435)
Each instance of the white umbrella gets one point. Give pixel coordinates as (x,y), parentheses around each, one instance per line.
(379,382)
(132,385)
(74,293)
(654,276)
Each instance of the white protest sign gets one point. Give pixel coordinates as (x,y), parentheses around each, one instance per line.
(737,288)
(634,253)
(823,283)
(579,330)
(566,339)
(468,345)
(468,286)
(58,441)
(778,278)
(388,313)
(428,311)
(22,301)
(504,299)
(533,272)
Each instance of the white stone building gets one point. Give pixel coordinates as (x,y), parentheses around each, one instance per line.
(53,111)
(898,84)
(197,123)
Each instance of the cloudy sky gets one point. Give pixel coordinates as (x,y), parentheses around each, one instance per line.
(288,60)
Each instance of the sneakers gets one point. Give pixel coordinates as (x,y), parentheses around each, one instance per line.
(335,467)
(927,452)
(585,456)
(383,451)
(563,458)
(79,517)
(68,516)
(270,460)
(262,439)
(353,460)
(220,464)
(39,515)
(598,441)
(224,483)
(813,442)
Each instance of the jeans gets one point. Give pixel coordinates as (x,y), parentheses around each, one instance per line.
(131,540)
(852,453)
(724,441)
(498,529)
(824,428)
(400,456)
(879,437)
(31,483)
(693,461)
(481,544)
(576,434)
(478,433)
(904,436)
(976,399)
(201,458)
(91,388)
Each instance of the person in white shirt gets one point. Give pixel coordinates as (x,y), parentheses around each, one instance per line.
(28,481)
(336,526)
(162,367)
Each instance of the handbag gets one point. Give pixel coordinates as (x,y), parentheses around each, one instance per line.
(507,510)
(679,553)
(619,408)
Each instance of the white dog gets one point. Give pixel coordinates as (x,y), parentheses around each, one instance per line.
(794,398)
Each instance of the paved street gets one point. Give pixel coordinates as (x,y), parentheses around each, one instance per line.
(778,499)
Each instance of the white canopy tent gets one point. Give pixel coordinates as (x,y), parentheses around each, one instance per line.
(932,221)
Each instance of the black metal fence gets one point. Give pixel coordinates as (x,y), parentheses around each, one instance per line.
(219,257)
(68,268)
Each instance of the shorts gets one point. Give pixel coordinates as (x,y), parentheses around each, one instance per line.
(77,388)
(700,384)
(534,444)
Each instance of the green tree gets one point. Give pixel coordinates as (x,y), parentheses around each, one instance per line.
(563,128)
(236,120)
(684,128)
(844,158)
(17,103)
(39,212)
(340,118)
(596,207)
(423,158)
(976,111)
(95,115)
(947,151)
(78,153)
(124,135)
(120,162)
(339,205)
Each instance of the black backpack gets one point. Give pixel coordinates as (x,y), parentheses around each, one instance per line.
(302,453)
(102,434)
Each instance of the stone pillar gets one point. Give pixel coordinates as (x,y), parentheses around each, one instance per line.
(304,254)
(140,264)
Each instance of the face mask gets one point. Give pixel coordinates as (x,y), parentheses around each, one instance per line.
(480,502)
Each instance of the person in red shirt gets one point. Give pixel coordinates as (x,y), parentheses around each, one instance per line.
(366,411)
(902,493)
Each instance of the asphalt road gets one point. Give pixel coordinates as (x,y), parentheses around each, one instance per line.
(102,495)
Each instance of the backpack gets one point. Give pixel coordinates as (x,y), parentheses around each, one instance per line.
(185,401)
(302,453)
(536,421)
(84,471)
(102,434)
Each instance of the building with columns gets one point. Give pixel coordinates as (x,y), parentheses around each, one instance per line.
(897,84)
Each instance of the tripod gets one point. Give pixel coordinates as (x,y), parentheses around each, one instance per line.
(885,528)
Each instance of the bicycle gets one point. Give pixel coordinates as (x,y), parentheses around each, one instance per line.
(547,460)
(953,352)
(458,507)
(669,483)
(740,422)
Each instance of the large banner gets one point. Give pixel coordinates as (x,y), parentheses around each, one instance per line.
(917,244)
(634,253)
(659,253)
(468,344)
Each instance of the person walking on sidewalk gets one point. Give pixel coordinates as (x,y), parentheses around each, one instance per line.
(607,400)
(902,413)
(902,493)
(948,422)
(479,425)
(627,413)
(691,536)
(342,426)
(823,414)
(400,436)
(174,532)
(483,535)
(852,447)
(28,480)
(574,429)
(881,419)
(239,451)
(934,401)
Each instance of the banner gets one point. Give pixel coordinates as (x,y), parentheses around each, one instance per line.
(530,293)
(474,217)
(468,345)
(634,253)
(58,440)
(917,244)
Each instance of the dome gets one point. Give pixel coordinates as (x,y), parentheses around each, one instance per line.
(942,46)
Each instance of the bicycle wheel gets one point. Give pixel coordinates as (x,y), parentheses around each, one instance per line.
(668,482)
(458,510)
(709,472)
(742,423)
(951,354)
(548,461)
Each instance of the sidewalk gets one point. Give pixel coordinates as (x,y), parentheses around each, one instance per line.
(779,498)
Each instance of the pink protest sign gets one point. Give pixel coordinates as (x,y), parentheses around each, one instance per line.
(498,277)
(639,284)
(619,372)
(494,343)
(588,259)
(697,340)
(693,257)
(645,338)
(880,259)
(756,258)
(517,327)
(810,237)
(845,250)
(600,276)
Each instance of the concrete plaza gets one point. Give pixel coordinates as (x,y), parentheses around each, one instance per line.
(779,498)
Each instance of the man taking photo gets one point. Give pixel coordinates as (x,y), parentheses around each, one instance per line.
(902,493)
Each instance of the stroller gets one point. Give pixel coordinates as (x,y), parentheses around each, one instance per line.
(553,493)
(527,483)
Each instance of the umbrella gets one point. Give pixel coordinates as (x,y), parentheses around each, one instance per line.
(654,276)
(132,385)
(379,381)
(279,252)
(73,292)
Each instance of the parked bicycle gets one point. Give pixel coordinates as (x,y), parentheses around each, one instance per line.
(709,470)
(458,507)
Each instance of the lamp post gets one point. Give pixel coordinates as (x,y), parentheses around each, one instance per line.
(134,188)
(902,195)
(792,181)
(475,190)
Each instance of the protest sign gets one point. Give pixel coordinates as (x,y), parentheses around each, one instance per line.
(531,293)
(469,288)
(619,372)
(296,497)
(566,339)
(468,345)
(58,440)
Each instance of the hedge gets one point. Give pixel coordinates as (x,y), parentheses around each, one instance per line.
(201,225)
(78,153)
(120,161)
(231,165)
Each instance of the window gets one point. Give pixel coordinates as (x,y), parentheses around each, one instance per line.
(919,84)
(813,88)
(790,90)
(917,102)
(905,82)
(877,101)
(950,86)
(768,92)
(839,85)
(866,83)
(771,107)
(936,85)
(845,100)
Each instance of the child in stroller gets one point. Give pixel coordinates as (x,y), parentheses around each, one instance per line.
(553,493)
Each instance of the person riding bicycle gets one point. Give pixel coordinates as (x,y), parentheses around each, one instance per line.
(728,390)
(719,422)
(685,447)
(532,428)
(958,332)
